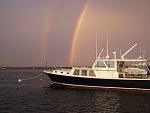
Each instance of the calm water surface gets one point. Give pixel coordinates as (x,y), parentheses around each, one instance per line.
(36,96)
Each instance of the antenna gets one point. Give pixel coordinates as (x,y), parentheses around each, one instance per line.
(107,56)
(140,49)
(120,53)
(143,51)
(96,45)
(141,54)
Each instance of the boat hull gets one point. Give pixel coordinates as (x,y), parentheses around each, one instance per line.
(86,82)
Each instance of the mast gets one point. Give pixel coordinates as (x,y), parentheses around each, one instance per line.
(3,64)
(141,55)
(96,45)
(143,51)
(33,67)
(107,56)
(120,53)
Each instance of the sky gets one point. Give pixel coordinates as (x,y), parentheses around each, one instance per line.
(63,32)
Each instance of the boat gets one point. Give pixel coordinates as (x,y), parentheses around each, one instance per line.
(3,65)
(33,67)
(110,73)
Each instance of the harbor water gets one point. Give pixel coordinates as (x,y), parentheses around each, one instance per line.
(33,94)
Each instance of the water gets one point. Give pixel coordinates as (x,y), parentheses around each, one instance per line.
(35,96)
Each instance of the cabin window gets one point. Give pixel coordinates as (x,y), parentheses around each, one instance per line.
(91,73)
(100,64)
(84,72)
(110,64)
(76,72)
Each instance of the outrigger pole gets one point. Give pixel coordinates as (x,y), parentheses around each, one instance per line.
(128,51)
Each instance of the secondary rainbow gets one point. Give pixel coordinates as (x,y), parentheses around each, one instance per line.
(46,36)
(46,33)
(79,22)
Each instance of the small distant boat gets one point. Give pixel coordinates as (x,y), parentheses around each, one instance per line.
(33,67)
(3,65)
(111,73)
(3,68)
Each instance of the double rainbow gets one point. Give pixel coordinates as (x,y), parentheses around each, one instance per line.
(76,32)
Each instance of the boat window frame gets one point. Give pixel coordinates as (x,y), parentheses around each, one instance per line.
(84,72)
(98,65)
(91,73)
(110,64)
(76,73)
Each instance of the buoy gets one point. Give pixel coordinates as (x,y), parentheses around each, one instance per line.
(19,80)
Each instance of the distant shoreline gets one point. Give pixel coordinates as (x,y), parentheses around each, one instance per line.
(50,67)
(1,68)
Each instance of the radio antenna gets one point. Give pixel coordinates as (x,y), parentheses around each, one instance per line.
(143,51)
(96,45)
(107,56)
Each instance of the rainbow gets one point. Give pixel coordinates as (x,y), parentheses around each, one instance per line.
(79,22)
(46,35)
(47,30)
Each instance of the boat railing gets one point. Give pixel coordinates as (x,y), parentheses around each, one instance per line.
(57,68)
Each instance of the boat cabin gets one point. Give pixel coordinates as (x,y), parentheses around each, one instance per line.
(112,68)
